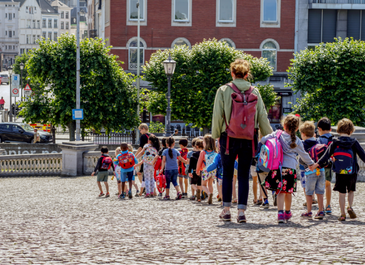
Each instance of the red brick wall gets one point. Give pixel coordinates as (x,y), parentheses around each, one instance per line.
(246,35)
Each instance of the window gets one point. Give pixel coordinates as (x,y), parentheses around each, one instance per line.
(49,23)
(66,14)
(181,10)
(321,25)
(34,39)
(62,25)
(28,39)
(13,15)
(226,13)
(44,34)
(38,24)
(67,25)
(6,15)
(13,33)
(6,33)
(26,9)
(133,10)
(55,36)
(30,10)
(180,42)
(44,22)
(28,23)
(38,37)
(50,35)
(269,51)
(62,14)
(10,34)
(270,10)
(21,51)
(229,42)
(356,24)
(55,24)
(34,24)
(132,48)
(13,47)
(10,16)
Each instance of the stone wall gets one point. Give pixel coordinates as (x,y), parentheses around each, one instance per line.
(26,149)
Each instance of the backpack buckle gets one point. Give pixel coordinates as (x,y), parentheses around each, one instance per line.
(244,100)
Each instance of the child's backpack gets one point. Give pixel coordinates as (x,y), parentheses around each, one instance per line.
(343,161)
(149,155)
(271,154)
(209,159)
(157,167)
(317,151)
(106,163)
(242,121)
(126,160)
(161,183)
(184,154)
(327,143)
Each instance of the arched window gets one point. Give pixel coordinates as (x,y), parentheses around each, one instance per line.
(180,42)
(269,51)
(133,51)
(229,42)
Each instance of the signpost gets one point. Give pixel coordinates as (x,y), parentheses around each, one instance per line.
(27,91)
(15,92)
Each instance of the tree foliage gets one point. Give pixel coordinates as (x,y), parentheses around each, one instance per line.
(16,67)
(331,80)
(107,96)
(269,96)
(199,73)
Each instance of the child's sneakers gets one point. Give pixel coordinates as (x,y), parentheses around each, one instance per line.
(160,194)
(179,196)
(130,194)
(265,205)
(281,217)
(107,195)
(287,215)
(122,196)
(192,198)
(320,215)
(101,194)
(307,215)
(137,194)
(166,198)
(351,213)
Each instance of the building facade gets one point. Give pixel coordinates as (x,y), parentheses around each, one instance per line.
(64,13)
(263,28)
(50,21)
(9,31)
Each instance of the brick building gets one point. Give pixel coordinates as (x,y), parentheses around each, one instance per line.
(261,27)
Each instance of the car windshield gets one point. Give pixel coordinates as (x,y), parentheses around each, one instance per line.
(27,128)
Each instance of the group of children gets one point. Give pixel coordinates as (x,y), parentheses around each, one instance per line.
(318,157)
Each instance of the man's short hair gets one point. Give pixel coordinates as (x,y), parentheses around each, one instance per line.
(104,149)
(345,126)
(324,124)
(143,126)
(307,128)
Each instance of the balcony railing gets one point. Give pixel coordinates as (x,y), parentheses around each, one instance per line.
(337,1)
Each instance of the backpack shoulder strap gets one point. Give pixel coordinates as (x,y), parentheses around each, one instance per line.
(278,133)
(233,86)
(249,91)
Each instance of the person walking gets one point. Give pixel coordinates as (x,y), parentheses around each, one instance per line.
(235,123)
(2,103)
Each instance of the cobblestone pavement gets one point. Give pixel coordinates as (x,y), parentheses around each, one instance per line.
(61,220)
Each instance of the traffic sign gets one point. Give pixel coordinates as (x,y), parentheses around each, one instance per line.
(15,92)
(77,114)
(27,90)
(15,81)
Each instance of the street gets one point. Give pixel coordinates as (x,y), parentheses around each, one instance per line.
(62,220)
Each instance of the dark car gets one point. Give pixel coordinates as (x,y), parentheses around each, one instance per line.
(21,132)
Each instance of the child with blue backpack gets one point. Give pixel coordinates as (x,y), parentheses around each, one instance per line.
(206,158)
(315,181)
(344,150)
(217,164)
(284,179)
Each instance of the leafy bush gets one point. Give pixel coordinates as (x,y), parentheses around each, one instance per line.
(156,127)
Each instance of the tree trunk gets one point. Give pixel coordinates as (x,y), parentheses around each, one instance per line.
(71,130)
(205,130)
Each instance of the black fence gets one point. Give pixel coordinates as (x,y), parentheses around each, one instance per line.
(111,138)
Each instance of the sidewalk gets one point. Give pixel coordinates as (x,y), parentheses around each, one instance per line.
(61,220)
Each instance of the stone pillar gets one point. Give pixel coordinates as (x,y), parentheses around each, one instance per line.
(72,160)
(2,151)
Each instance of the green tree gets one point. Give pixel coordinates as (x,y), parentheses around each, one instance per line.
(331,81)
(16,67)
(107,96)
(269,96)
(199,72)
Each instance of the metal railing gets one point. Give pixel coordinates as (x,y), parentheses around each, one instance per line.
(337,1)
(111,138)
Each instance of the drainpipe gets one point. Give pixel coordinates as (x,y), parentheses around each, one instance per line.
(296,26)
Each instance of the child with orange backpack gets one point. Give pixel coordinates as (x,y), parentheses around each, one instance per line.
(183,177)
(102,168)
(126,161)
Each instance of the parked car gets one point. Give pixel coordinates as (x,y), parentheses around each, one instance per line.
(21,132)
(4,79)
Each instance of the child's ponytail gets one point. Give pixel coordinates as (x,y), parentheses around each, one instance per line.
(292,122)
(170,141)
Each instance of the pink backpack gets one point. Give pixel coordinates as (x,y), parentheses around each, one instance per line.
(271,154)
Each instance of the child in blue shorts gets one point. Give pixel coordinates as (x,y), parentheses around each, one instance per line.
(315,181)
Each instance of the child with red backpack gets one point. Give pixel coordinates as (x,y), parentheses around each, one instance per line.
(102,167)
(183,177)
(344,151)
(315,181)
(126,161)
(284,179)
(149,158)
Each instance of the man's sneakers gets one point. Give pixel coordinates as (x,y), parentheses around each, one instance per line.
(225,216)
(241,218)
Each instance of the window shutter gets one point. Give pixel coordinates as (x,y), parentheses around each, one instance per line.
(353,24)
(329,25)
(314,25)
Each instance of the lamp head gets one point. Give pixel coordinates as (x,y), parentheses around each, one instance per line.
(169,66)
(21,65)
(10,70)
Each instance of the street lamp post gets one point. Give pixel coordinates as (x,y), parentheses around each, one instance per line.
(21,73)
(169,66)
(10,70)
